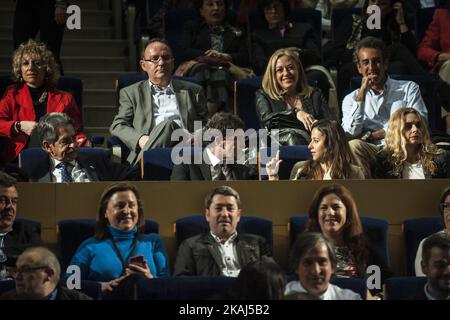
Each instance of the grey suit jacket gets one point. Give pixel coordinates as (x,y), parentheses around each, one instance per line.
(135,116)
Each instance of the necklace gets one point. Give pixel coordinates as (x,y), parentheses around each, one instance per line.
(41,99)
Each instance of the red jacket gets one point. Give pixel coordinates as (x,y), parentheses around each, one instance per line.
(17,105)
(436,40)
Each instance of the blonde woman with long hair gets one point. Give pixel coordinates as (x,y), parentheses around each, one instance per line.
(409,152)
(286,102)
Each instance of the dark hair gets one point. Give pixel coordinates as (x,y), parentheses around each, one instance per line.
(262,4)
(153,40)
(49,124)
(305,242)
(444,195)
(373,43)
(353,234)
(223,121)
(224,191)
(440,240)
(337,152)
(6,181)
(260,280)
(101,231)
(199,4)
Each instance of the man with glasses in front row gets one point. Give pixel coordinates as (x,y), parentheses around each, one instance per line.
(149,111)
(15,236)
(37,278)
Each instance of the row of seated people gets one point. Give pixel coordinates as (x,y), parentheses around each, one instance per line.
(328,156)
(132,123)
(120,247)
(274,28)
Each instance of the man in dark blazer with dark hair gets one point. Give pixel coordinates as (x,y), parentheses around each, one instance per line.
(65,164)
(213,165)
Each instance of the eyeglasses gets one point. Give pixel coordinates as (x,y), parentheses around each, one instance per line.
(155,59)
(16,272)
(444,206)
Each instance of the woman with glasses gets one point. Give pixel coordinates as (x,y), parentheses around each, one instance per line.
(120,247)
(408,152)
(33,95)
(444,208)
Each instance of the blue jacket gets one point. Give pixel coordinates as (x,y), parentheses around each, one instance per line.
(99,262)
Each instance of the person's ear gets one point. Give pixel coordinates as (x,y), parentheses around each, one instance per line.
(46,146)
(207,214)
(50,274)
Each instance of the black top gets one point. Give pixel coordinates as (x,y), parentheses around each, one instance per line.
(18,240)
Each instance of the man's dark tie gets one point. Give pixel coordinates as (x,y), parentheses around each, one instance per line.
(65,174)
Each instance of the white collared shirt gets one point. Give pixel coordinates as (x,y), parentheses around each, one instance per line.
(165,104)
(229,256)
(374,112)
(333,292)
(77,173)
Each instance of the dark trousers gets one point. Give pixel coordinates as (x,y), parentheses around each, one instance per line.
(32,16)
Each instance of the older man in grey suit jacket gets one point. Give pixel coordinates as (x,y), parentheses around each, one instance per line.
(151,110)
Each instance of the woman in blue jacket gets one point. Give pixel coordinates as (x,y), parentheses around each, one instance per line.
(119,247)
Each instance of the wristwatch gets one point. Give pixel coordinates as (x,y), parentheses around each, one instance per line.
(17,126)
(367,136)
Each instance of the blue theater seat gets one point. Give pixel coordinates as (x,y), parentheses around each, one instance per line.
(404,288)
(183,288)
(193,225)
(414,231)
(36,225)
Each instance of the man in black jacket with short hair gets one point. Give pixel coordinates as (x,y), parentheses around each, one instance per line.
(222,251)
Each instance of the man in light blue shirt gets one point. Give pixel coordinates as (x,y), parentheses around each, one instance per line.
(366,111)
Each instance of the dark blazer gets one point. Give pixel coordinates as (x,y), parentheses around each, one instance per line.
(18,240)
(382,169)
(135,116)
(203,172)
(300,35)
(196,40)
(17,105)
(98,168)
(199,255)
(315,105)
(62,294)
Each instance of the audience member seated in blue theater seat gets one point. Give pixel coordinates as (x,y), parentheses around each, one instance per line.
(119,246)
(331,156)
(140,122)
(16,235)
(33,94)
(313,256)
(72,232)
(60,159)
(420,229)
(225,157)
(286,102)
(206,254)
(334,213)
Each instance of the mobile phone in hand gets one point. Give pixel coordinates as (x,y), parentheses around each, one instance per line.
(138,260)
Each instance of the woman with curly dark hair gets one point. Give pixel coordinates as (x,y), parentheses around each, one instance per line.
(33,95)
(409,153)
(334,213)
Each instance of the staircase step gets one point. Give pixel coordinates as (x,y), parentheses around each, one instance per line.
(84,33)
(98,116)
(89,18)
(93,63)
(99,97)
(97,79)
(94,47)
